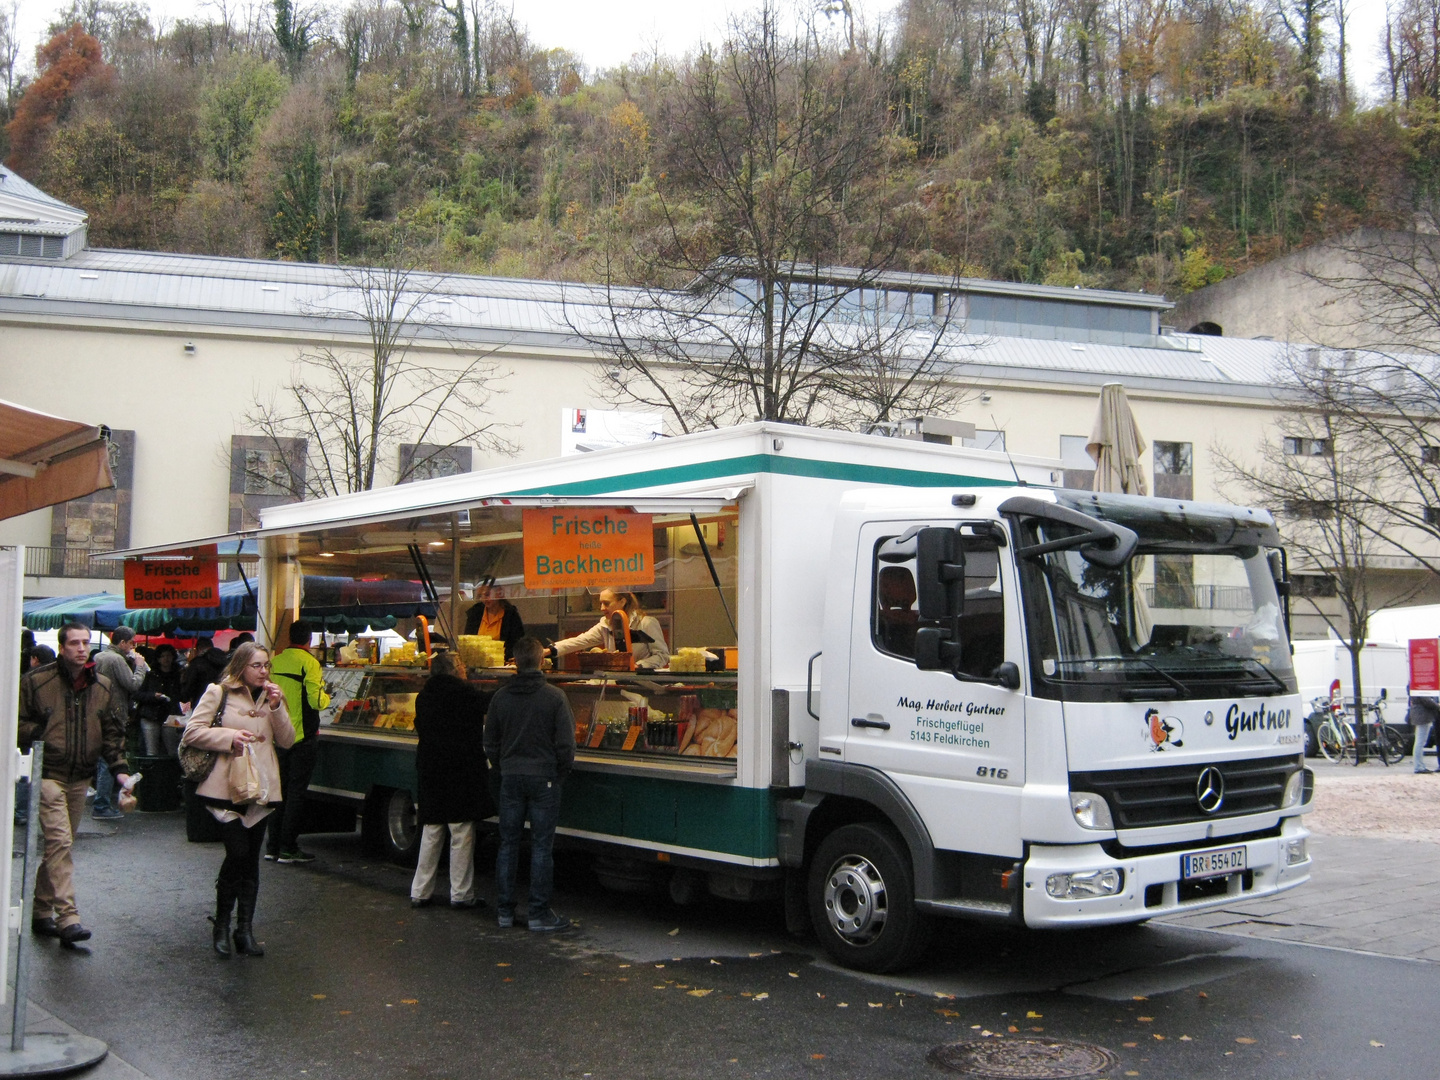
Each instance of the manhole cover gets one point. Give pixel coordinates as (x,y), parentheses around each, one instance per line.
(1024,1059)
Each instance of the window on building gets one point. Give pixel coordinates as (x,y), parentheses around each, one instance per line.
(1430,455)
(1312,585)
(1076,461)
(1432,515)
(1316,509)
(1296,446)
(1174,470)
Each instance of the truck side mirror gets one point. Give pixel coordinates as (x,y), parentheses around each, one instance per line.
(939,574)
(1008,675)
(936,649)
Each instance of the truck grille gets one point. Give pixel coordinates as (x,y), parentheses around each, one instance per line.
(1145,798)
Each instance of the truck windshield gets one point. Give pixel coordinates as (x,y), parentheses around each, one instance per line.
(1186,616)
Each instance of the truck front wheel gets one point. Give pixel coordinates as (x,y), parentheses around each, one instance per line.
(862,900)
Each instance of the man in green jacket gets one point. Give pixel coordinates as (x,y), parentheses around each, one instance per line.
(299,675)
(68,707)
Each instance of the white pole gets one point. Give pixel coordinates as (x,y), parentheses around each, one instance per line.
(12,589)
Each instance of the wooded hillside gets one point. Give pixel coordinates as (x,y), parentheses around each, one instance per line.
(1155,144)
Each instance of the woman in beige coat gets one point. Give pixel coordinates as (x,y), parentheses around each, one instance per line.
(252,713)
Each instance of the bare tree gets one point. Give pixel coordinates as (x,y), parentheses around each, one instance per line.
(780,142)
(1319,472)
(355,406)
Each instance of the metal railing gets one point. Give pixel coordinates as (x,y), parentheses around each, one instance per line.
(72,562)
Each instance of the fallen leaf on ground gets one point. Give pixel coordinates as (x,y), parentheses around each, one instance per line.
(876,1004)
(502,965)
(1186,1038)
(344,1012)
(1158,1036)
(699,993)
(947,1012)
(842,1004)
(674,932)
(1245,1040)
(817,1057)
(755,954)
(624,965)
(793,974)
(409,1001)
(507,979)
(1203,994)
(1013,1028)
(1379,1044)
(659,988)
(1129,1046)
(659,965)
(1145,1019)
(818,994)
(1037,1029)
(318,997)
(762,997)
(1033,1016)
(716,963)
(1297,1036)
(986,1034)
(944,997)
(1139,997)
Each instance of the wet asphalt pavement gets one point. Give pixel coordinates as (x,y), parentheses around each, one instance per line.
(356,984)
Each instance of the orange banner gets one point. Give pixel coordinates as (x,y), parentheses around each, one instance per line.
(568,547)
(191,582)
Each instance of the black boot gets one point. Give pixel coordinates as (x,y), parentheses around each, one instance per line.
(224,902)
(245,943)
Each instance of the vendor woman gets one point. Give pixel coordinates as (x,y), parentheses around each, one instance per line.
(495,617)
(647,640)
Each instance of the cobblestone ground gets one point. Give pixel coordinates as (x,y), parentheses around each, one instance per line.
(1377,868)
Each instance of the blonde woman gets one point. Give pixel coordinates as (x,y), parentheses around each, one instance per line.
(647,640)
(244,709)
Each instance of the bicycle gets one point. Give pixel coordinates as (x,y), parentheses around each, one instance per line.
(1338,742)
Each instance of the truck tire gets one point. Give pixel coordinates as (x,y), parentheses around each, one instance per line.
(389,828)
(862,900)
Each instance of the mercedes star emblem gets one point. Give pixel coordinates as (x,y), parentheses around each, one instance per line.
(1210,789)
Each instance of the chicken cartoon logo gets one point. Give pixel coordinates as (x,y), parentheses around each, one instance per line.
(1163,731)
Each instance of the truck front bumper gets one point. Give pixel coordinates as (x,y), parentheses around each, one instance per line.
(1151,885)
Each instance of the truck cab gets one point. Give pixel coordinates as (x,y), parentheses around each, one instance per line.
(1049,708)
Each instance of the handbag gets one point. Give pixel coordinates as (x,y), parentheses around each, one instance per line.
(195,763)
(247,783)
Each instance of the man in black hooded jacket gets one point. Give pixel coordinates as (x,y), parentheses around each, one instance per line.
(530,738)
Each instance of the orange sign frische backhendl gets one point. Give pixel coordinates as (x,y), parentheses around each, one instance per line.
(592,546)
(192,582)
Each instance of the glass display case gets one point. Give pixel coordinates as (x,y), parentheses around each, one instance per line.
(655,717)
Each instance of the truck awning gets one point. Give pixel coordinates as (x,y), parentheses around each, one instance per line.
(670,500)
(47,459)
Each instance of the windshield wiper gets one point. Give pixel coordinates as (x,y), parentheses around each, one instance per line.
(1179,686)
(1278,682)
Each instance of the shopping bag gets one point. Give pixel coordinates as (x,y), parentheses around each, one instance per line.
(246,782)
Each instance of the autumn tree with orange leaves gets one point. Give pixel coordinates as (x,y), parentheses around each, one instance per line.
(69,60)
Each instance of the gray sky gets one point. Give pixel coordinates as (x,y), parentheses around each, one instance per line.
(610,32)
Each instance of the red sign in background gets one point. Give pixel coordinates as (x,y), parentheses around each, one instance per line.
(191,582)
(1424,665)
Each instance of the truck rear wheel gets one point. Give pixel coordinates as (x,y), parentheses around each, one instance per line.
(390,827)
(862,900)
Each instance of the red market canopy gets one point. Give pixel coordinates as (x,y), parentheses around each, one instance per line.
(46,460)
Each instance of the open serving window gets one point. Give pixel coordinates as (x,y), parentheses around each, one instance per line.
(492,572)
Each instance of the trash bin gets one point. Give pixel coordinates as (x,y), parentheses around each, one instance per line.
(170,735)
(158,791)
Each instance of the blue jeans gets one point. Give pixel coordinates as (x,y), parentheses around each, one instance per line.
(538,799)
(104,788)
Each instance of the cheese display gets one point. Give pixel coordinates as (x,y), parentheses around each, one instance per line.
(481,652)
(688,659)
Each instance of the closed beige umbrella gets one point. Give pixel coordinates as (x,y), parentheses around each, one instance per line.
(1116,445)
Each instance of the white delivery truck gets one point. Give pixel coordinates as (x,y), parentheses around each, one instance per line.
(905,680)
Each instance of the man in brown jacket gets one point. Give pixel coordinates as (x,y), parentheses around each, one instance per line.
(67,706)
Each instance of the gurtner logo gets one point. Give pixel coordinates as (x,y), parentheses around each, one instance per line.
(1262,719)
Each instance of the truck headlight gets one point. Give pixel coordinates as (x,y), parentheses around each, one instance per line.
(1090,810)
(1294,787)
(1295,851)
(1077,886)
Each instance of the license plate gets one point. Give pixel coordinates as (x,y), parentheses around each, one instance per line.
(1203,864)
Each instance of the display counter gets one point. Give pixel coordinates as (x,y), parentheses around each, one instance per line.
(652,721)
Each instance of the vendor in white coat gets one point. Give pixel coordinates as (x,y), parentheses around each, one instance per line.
(647,640)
